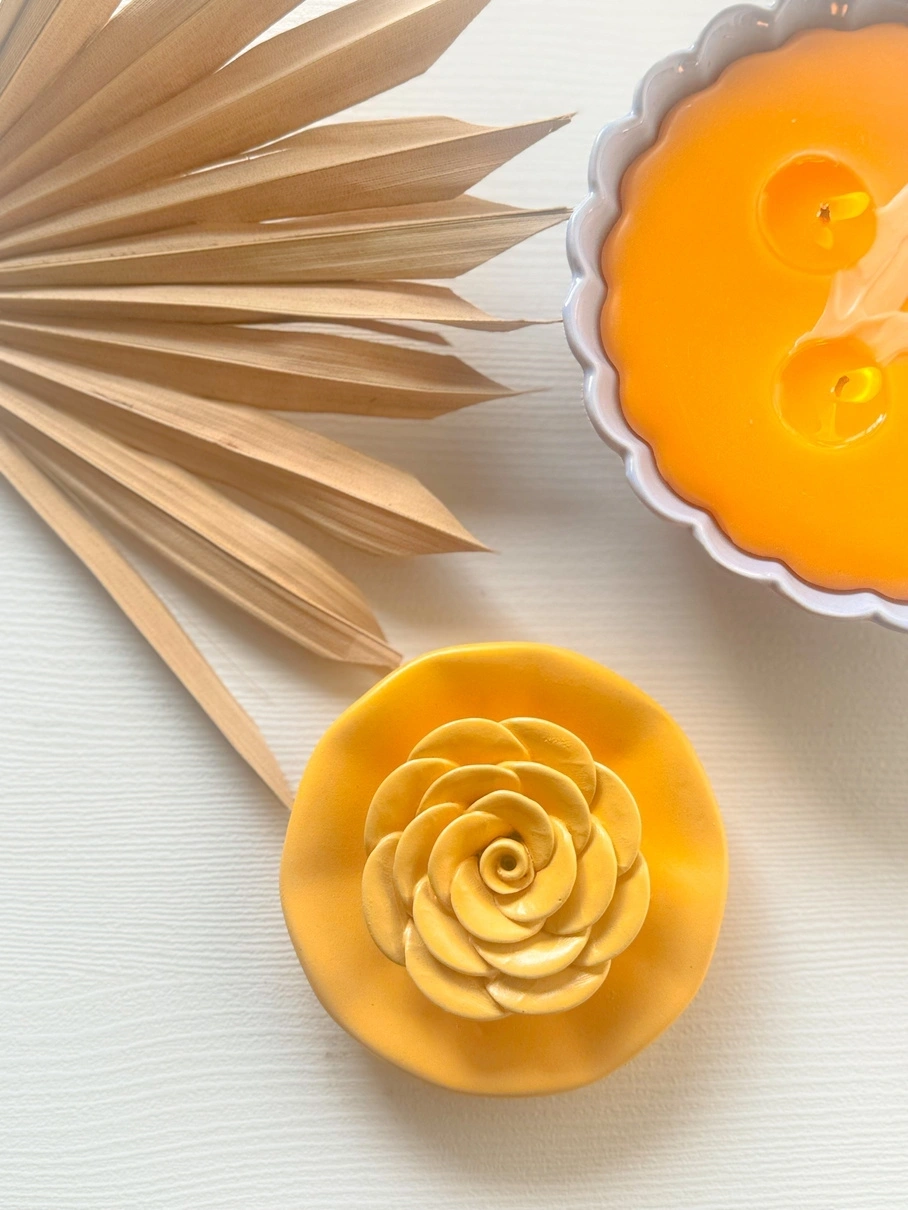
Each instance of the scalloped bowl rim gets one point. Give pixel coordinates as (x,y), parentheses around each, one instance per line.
(735,32)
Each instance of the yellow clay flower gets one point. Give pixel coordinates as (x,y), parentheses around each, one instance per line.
(543,876)
(505,869)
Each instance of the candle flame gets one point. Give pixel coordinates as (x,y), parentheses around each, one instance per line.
(843,206)
(859,386)
(838,209)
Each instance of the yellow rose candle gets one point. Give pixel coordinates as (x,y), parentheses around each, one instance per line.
(756,280)
(505,870)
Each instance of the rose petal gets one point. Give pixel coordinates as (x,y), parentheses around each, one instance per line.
(466,836)
(395,801)
(556,747)
(557,795)
(553,994)
(471,741)
(476,909)
(456,993)
(384,913)
(614,805)
(526,818)
(466,784)
(444,936)
(416,844)
(544,954)
(597,872)
(551,886)
(613,932)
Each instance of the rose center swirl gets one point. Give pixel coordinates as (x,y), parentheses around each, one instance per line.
(504,868)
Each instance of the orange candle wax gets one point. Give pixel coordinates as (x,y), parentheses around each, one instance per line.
(757,280)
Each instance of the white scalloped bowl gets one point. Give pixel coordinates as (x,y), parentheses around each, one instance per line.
(735,32)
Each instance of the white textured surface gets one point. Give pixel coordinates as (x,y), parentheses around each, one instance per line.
(159,1047)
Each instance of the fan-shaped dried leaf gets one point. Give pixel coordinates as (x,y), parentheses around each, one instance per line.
(280,370)
(348,302)
(158,194)
(45,37)
(330,615)
(149,52)
(328,169)
(147,612)
(294,615)
(438,239)
(398,331)
(290,81)
(367,503)
(9,14)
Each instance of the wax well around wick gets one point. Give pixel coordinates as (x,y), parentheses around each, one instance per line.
(832,392)
(816,215)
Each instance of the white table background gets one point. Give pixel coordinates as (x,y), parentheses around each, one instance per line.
(159,1045)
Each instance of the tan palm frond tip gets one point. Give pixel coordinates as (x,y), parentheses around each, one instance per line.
(164,194)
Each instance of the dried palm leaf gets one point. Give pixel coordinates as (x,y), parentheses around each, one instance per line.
(288,82)
(146,610)
(343,303)
(163,190)
(438,239)
(324,170)
(316,606)
(45,36)
(367,503)
(283,371)
(152,51)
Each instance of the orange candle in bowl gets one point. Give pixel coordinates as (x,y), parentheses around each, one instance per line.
(756,279)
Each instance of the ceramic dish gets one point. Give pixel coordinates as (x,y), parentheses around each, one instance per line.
(734,33)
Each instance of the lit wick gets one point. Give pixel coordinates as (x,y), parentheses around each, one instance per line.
(839,208)
(859,386)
